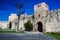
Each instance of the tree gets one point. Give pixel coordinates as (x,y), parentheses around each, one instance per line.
(28,26)
(18,6)
(10,25)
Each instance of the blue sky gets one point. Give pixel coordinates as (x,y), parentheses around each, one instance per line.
(7,6)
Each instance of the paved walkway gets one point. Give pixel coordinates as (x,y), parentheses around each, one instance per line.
(25,37)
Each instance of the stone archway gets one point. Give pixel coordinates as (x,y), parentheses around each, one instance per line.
(40,26)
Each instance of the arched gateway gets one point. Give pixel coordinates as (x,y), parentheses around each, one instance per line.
(40,26)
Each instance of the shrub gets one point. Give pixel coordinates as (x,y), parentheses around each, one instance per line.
(28,26)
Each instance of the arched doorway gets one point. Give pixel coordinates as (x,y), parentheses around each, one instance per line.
(40,27)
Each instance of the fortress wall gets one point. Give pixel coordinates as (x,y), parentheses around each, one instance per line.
(13,25)
(53,25)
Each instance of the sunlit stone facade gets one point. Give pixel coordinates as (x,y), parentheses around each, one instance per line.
(49,19)
(23,19)
(3,24)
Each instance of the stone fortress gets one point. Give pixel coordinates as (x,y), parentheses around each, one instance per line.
(43,21)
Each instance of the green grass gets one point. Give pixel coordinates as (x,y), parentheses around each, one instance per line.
(56,35)
(10,31)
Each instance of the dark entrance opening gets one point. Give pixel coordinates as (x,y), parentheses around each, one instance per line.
(10,25)
(40,27)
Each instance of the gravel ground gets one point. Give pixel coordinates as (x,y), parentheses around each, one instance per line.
(25,37)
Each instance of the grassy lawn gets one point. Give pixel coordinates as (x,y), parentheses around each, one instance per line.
(9,31)
(56,35)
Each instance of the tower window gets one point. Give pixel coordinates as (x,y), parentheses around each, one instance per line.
(39,15)
(38,5)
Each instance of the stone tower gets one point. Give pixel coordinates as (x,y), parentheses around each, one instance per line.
(40,12)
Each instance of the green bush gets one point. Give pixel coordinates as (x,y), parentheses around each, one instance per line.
(55,35)
(28,26)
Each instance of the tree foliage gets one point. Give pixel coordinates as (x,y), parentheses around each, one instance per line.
(28,26)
